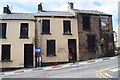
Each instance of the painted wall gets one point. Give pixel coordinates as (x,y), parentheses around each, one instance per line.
(17,44)
(56,30)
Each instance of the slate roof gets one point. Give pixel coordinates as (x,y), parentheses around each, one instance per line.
(90,12)
(17,16)
(53,13)
(29,16)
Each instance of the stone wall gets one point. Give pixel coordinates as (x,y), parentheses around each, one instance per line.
(84,53)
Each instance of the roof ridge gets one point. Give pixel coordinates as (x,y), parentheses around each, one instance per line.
(87,10)
(90,12)
(22,13)
(52,11)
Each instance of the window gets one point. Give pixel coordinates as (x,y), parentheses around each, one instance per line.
(46,26)
(86,22)
(91,41)
(104,20)
(24,30)
(67,27)
(51,47)
(3,30)
(6,52)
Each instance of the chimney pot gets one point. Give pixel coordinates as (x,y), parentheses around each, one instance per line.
(71,5)
(6,10)
(40,7)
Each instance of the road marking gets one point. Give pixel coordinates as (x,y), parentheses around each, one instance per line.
(108,75)
(105,75)
(100,75)
(114,70)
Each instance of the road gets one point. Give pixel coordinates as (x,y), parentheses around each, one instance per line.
(93,70)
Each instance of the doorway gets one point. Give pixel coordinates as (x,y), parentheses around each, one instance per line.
(72,50)
(28,55)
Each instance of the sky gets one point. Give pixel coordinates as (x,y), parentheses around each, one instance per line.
(25,6)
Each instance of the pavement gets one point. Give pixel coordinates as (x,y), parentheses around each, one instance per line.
(97,68)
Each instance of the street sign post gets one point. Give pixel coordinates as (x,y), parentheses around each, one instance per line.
(39,58)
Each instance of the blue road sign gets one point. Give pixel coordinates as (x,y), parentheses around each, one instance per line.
(37,50)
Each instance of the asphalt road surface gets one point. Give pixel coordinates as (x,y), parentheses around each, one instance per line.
(93,70)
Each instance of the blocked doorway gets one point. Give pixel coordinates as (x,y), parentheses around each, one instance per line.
(72,50)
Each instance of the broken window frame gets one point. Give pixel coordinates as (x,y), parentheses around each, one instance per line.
(104,21)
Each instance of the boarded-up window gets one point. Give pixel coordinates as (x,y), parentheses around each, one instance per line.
(24,30)
(91,41)
(86,22)
(51,47)
(6,52)
(3,27)
(46,26)
(67,26)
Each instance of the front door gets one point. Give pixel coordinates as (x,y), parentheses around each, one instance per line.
(28,55)
(72,49)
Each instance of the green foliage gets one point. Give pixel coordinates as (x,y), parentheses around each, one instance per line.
(35,39)
(101,42)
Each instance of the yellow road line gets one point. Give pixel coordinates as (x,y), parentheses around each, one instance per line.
(100,75)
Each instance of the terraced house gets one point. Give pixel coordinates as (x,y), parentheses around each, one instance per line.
(62,36)
(95,33)
(58,35)
(17,31)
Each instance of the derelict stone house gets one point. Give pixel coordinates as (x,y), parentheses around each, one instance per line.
(95,33)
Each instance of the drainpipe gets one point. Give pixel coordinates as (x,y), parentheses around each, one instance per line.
(38,56)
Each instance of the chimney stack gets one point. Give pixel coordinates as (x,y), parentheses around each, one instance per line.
(6,10)
(40,7)
(71,5)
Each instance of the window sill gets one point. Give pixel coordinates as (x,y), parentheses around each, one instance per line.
(45,33)
(23,37)
(67,33)
(7,61)
(50,55)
